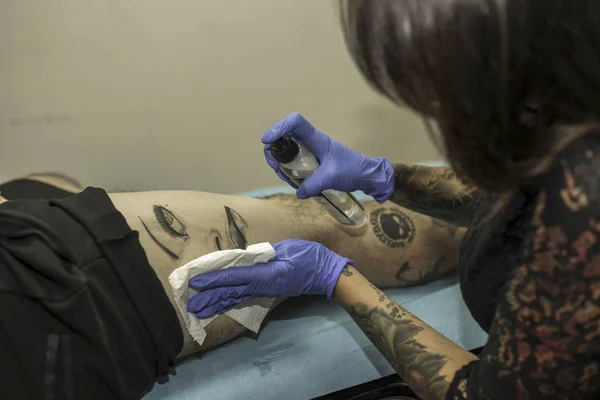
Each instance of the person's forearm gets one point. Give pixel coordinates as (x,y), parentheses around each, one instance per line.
(424,358)
(434,191)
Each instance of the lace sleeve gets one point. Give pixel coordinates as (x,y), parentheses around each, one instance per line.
(545,338)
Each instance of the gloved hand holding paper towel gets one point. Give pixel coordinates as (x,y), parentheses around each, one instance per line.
(249,314)
(299,268)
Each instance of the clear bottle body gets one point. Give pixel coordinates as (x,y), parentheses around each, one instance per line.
(342,206)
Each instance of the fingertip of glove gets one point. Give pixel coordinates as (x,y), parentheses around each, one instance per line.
(294,115)
(203,314)
(191,305)
(270,136)
(380,200)
(301,194)
(195,280)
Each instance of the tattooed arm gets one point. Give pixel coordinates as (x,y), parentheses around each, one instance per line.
(434,191)
(425,359)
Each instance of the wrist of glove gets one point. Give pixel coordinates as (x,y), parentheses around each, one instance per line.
(377,179)
(299,268)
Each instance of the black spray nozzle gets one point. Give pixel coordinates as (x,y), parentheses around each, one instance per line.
(284,150)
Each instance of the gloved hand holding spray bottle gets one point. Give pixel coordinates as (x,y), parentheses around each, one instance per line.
(325,169)
(321,168)
(299,163)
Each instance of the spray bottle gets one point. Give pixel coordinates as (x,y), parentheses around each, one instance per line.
(298,163)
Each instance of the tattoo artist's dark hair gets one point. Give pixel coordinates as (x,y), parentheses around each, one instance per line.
(505,83)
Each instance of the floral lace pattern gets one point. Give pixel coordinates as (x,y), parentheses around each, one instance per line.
(545,303)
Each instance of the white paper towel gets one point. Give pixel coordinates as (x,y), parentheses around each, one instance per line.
(249,314)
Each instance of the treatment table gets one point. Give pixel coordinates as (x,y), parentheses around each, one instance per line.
(309,347)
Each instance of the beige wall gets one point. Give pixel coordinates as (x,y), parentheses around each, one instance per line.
(151,94)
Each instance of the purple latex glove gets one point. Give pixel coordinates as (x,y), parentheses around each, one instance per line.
(299,268)
(341,168)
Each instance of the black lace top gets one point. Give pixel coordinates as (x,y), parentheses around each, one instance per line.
(531,278)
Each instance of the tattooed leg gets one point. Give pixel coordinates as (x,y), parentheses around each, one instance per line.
(425,359)
(425,248)
(172,227)
(436,269)
(398,247)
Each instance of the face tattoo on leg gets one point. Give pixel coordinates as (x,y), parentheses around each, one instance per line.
(173,227)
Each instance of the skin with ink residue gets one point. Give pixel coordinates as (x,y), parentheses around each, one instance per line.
(404,269)
(236,231)
(172,226)
(170,223)
(175,228)
(217,239)
(158,243)
(236,228)
(435,270)
(346,271)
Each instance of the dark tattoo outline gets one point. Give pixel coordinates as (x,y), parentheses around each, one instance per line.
(163,215)
(389,303)
(392,227)
(158,243)
(395,338)
(382,296)
(217,238)
(435,270)
(346,271)
(404,269)
(236,227)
